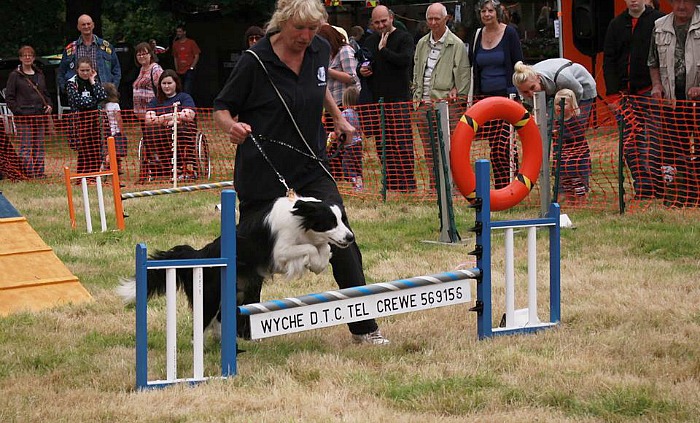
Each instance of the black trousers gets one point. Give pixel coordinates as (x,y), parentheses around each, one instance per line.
(346,262)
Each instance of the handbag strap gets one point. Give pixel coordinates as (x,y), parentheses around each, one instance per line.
(33,85)
(564,66)
(153,85)
(289,112)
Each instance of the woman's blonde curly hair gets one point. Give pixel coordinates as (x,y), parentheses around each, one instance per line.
(299,10)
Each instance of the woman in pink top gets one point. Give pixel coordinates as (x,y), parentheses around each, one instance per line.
(145,89)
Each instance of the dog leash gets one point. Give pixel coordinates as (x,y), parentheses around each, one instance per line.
(290,191)
(336,153)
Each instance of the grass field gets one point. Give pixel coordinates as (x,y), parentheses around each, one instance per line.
(628,348)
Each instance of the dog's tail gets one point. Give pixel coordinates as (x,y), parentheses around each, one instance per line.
(156,277)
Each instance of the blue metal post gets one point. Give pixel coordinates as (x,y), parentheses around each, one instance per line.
(141,317)
(228,284)
(554,265)
(483,249)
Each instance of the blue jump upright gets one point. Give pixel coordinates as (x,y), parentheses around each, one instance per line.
(484,228)
(227,263)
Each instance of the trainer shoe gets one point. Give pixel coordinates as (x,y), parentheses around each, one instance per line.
(372,338)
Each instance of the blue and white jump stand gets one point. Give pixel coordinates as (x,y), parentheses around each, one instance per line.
(331,308)
(227,263)
(484,228)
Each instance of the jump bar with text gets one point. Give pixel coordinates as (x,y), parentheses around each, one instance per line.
(339,312)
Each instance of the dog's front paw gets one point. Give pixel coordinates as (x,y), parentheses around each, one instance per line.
(319,263)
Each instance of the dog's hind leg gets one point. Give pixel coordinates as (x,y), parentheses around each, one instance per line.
(249,288)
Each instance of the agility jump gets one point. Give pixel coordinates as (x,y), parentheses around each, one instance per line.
(314,311)
(118,196)
(331,308)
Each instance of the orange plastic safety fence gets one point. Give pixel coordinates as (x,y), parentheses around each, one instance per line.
(393,155)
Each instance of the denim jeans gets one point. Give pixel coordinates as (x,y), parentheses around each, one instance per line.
(641,149)
(187,81)
(31,131)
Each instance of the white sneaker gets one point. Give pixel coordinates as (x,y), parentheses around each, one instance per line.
(372,338)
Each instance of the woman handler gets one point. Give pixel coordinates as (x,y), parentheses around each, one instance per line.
(295,60)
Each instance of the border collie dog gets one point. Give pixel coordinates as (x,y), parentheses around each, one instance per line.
(287,237)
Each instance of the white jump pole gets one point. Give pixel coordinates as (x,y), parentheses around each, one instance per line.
(171,324)
(532,276)
(86,204)
(175,143)
(510,279)
(198,322)
(101,204)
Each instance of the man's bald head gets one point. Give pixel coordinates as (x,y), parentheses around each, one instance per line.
(85,25)
(382,19)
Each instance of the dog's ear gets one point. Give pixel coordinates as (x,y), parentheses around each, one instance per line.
(303,207)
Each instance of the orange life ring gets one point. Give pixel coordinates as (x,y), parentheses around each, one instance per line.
(462,171)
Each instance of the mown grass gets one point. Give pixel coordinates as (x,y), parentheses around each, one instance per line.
(627,349)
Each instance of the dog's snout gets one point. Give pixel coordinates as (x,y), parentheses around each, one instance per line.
(349,237)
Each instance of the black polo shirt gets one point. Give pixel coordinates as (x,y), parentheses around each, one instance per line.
(249,94)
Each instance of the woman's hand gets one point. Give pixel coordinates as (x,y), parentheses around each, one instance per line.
(166,119)
(694,93)
(185,115)
(366,71)
(151,117)
(343,129)
(239,131)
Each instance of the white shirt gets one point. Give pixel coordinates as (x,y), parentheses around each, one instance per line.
(112,109)
(433,56)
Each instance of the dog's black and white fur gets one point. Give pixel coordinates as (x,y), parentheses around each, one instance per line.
(287,237)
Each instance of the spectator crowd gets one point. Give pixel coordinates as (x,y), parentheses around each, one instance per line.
(649,66)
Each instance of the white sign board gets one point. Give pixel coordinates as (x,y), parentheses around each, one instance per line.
(316,316)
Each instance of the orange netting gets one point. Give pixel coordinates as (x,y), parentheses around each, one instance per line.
(392,158)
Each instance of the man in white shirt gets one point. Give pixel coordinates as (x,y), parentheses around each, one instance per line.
(440,71)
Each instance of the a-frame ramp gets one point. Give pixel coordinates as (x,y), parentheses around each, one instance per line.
(32,277)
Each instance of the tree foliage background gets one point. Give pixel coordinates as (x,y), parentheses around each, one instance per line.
(38,23)
(48,25)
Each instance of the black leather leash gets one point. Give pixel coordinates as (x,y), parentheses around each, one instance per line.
(290,191)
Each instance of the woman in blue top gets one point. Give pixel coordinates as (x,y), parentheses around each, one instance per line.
(160,118)
(496,49)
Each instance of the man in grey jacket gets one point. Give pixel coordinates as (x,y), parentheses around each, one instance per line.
(440,71)
(440,64)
